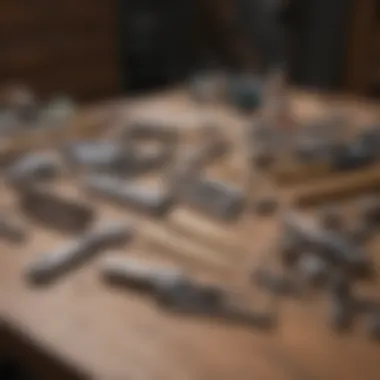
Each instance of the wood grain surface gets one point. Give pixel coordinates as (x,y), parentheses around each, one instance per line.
(110,334)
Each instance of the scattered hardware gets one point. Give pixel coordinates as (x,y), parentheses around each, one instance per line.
(330,246)
(216,198)
(176,292)
(55,211)
(21,110)
(52,265)
(144,198)
(244,92)
(33,167)
(100,156)
(313,268)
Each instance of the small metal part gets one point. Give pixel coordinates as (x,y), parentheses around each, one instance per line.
(374,325)
(349,157)
(100,156)
(311,149)
(11,231)
(331,218)
(265,206)
(144,198)
(313,268)
(55,211)
(216,198)
(57,263)
(331,246)
(138,274)
(33,168)
(244,92)
(178,293)
(276,284)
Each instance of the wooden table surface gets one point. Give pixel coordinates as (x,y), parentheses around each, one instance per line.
(112,334)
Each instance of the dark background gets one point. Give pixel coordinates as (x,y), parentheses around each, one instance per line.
(100,49)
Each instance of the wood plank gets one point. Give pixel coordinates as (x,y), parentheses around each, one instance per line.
(358,70)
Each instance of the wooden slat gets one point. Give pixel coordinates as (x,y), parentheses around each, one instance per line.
(360,45)
(20,15)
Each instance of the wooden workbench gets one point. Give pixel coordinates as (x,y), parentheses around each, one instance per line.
(101,333)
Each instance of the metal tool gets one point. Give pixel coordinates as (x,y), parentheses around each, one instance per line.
(100,156)
(147,132)
(57,263)
(62,213)
(33,168)
(176,292)
(332,247)
(313,269)
(214,197)
(153,201)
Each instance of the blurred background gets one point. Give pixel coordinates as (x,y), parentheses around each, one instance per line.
(99,49)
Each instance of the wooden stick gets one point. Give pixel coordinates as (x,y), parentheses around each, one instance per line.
(344,185)
(197,227)
(182,247)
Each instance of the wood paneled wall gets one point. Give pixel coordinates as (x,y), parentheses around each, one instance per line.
(60,46)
